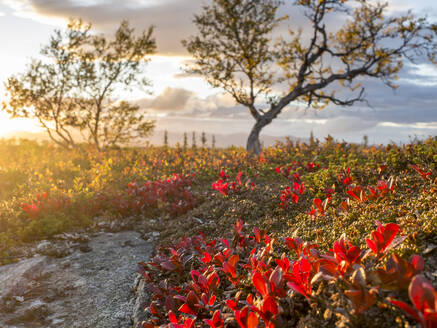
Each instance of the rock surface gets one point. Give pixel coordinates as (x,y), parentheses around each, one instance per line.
(91,287)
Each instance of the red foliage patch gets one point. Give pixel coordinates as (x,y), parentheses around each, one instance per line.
(241,283)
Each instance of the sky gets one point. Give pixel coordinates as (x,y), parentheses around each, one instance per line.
(182,103)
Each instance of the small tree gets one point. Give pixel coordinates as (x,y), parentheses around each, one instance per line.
(203,139)
(185,140)
(235,51)
(312,141)
(73,88)
(365,141)
(213,141)
(193,140)
(165,139)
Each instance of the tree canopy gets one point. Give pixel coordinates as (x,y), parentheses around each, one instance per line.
(236,50)
(72,89)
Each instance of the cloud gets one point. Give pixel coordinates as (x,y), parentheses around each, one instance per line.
(171,99)
(411,103)
(424,74)
(182,102)
(349,124)
(421,126)
(184,75)
(172,18)
(422,7)
(179,102)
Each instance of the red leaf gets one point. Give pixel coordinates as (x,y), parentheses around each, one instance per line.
(372,245)
(168,266)
(223,175)
(417,263)
(406,308)
(294,244)
(382,237)
(318,204)
(186,309)
(418,292)
(216,321)
(216,318)
(233,260)
(213,281)
(206,257)
(252,320)
(297,288)
(300,277)
(154,310)
(257,234)
(172,317)
(192,299)
(390,231)
(424,298)
(362,299)
(212,300)
(283,263)
(188,323)
(423,174)
(238,178)
(276,277)
(269,305)
(260,284)
(231,304)
(228,268)
(352,194)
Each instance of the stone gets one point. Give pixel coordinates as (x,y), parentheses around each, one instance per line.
(83,289)
(54,248)
(429,249)
(140,301)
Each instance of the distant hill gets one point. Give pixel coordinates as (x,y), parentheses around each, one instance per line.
(39,136)
(222,140)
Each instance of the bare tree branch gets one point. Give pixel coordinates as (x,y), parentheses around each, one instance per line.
(235,51)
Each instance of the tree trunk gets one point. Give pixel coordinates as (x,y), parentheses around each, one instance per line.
(253,142)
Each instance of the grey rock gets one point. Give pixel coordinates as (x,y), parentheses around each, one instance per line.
(75,237)
(84,289)
(198,220)
(17,280)
(140,302)
(429,249)
(43,246)
(56,249)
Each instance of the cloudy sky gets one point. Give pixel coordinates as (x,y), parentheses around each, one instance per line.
(182,103)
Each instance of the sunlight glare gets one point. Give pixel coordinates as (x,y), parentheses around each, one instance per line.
(8,125)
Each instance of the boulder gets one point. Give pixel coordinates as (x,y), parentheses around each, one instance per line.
(91,287)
